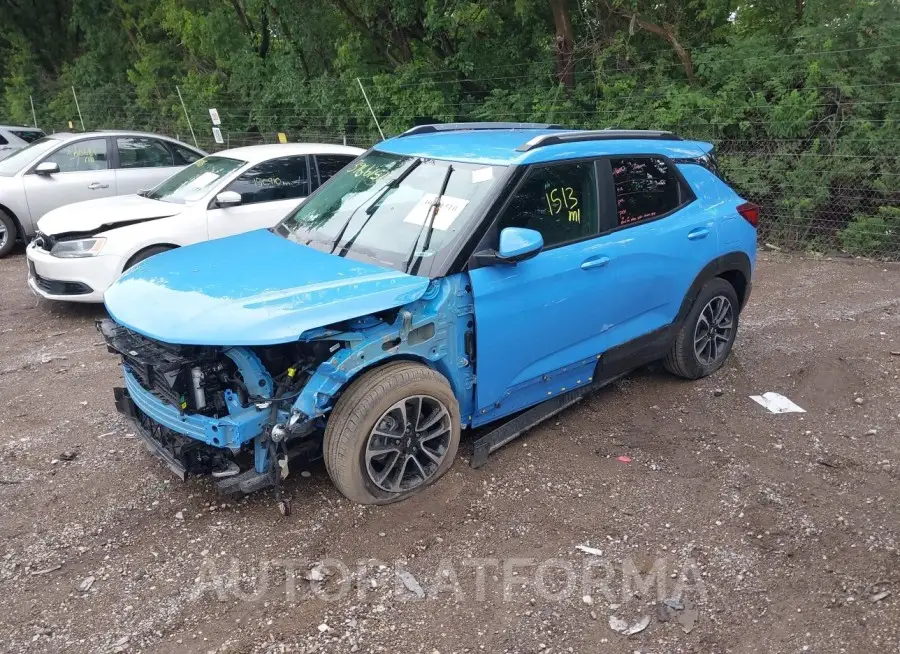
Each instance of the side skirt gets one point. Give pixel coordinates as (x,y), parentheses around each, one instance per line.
(611,365)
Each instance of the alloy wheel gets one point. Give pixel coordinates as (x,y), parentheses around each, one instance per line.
(3,235)
(713,330)
(408,443)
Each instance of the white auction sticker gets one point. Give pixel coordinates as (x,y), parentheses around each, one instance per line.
(448,211)
(482,175)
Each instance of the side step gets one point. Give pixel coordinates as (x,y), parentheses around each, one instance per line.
(508,431)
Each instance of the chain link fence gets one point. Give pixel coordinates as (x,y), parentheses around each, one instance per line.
(818,195)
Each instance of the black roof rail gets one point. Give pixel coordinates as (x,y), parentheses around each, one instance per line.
(462,127)
(597,135)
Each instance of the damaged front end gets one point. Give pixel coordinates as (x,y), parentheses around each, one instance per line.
(206,410)
(245,414)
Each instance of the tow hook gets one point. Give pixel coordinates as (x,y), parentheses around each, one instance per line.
(278,460)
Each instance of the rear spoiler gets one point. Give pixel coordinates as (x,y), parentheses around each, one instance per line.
(706,158)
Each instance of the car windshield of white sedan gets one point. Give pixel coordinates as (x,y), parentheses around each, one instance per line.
(194,181)
(21,158)
(382,208)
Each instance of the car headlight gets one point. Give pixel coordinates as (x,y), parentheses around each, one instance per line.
(85,247)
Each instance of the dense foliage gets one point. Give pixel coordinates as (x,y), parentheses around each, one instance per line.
(802,97)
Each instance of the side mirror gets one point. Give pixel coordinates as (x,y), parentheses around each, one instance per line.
(47,168)
(516,244)
(228,199)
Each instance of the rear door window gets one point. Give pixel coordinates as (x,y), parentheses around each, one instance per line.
(28,135)
(646,188)
(139,152)
(79,156)
(185,156)
(329,164)
(284,178)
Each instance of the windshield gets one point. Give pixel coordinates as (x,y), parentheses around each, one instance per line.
(194,181)
(22,158)
(380,208)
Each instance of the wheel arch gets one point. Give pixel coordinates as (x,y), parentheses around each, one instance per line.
(399,357)
(20,230)
(129,261)
(310,399)
(734,267)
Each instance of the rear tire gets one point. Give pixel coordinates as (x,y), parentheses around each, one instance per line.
(393,432)
(8,233)
(704,340)
(146,254)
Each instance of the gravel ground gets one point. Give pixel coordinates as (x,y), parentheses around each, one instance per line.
(765,533)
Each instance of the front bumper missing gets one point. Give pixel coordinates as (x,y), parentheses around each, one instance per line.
(230,431)
(126,406)
(152,434)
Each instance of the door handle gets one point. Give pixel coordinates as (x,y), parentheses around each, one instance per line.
(597,262)
(697,234)
(96,185)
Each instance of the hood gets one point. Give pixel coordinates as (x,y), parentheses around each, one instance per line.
(251,289)
(91,215)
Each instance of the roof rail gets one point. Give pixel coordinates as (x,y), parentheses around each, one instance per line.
(462,127)
(596,135)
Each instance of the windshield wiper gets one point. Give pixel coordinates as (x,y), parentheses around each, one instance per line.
(429,220)
(372,208)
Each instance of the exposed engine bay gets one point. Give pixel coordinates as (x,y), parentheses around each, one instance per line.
(215,382)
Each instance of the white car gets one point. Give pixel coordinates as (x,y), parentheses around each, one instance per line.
(82,248)
(16,137)
(60,169)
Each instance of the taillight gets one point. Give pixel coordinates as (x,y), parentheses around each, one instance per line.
(749,212)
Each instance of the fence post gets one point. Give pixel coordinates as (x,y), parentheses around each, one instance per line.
(79,109)
(190,127)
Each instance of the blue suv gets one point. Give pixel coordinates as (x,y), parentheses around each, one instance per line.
(450,278)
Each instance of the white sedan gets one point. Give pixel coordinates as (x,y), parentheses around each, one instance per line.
(82,248)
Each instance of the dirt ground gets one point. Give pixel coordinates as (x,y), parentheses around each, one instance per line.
(766,533)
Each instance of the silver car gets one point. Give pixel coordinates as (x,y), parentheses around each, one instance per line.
(16,137)
(63,168)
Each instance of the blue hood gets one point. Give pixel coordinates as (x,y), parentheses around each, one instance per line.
(252,289)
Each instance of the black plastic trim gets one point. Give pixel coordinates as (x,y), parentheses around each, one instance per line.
(737,261)
(464,127)
(577,136)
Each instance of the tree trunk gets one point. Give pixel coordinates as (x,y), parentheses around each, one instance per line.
(565,44)
(798,10)
(668,33)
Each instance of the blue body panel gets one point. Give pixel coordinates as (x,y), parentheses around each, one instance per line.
(447,305)
(572,303)
(251,289)
(499,147)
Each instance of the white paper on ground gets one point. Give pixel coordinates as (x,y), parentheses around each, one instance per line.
(776,403)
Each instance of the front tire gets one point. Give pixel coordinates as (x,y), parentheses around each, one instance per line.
(704,340)
(393,432)
(8,234)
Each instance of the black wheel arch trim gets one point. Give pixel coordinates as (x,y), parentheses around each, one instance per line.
(20,229)
(733,261)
